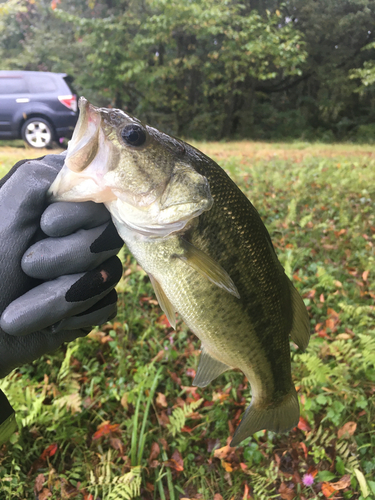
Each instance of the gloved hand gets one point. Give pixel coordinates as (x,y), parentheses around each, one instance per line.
(55,288)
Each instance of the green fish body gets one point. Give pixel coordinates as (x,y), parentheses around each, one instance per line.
(205,248)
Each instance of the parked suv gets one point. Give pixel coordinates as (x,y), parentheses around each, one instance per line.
(38,107)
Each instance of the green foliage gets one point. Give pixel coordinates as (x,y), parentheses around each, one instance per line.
(178,418)
(318,204)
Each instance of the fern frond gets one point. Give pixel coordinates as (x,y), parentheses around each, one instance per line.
(179,416)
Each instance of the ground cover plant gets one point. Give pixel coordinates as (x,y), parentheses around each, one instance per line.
(114,416)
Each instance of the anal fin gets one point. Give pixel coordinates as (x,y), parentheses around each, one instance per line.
(208,369)
(207,267)
(164,302)
(300,332)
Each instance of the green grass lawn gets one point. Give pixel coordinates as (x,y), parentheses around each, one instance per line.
(114,415)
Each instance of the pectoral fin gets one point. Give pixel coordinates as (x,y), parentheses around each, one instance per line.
(208,369)
(164,302)
(207,267)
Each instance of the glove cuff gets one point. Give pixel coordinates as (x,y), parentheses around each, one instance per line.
(8,423)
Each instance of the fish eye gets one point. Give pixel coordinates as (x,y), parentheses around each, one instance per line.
(134,135)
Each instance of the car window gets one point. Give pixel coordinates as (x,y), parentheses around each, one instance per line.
(12,85)
(69,81)
(41,83)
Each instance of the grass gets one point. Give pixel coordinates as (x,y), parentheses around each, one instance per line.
(13,151)
(115,416)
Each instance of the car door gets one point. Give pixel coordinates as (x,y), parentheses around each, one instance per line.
(13,94)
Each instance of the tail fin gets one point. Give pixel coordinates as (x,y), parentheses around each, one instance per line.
(280,418)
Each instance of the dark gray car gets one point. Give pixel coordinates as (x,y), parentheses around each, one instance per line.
(38,107)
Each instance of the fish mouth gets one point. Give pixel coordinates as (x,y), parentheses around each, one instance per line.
(81,178)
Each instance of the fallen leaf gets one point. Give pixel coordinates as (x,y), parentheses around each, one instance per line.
(303,425)
(190,372)
(104,429)
(365,275)
(328,490)
(223,452)
(217,496)
(285,492)
(343,483)
(246,495)
(347,430)
(45,493)
(173,465)
(163,418)
(39,481)
(155,450)
(176,455)
(49,452)
(227,466)
(116,444)
(163,321)
(161,400)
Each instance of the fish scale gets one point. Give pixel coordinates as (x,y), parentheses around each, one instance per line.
(205,248)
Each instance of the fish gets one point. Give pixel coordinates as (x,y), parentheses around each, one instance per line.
(205,248)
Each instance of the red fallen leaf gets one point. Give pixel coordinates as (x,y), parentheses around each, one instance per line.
(243,466)
(104,429)
(304,449)
(49,452)
(365,275)
(88,496)
(190,372)
(310,294)
(174,465)
(186,428)
(303,425)
(328,490)
(163,321)
(311,470)
(192,391)
(347,430)
(217,496)
(246,495)
(285,492)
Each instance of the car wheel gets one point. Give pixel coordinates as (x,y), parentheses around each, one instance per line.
(37,133)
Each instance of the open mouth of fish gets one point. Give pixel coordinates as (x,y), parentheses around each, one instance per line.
(89,174)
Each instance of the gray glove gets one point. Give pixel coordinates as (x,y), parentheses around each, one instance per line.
(58,266)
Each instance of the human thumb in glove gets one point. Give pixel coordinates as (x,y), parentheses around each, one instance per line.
(57,267)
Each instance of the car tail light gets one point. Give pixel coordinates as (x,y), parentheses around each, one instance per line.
(70,101)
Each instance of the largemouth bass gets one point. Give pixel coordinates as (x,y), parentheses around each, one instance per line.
(205,249)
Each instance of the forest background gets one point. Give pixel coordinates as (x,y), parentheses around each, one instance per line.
(209,69)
